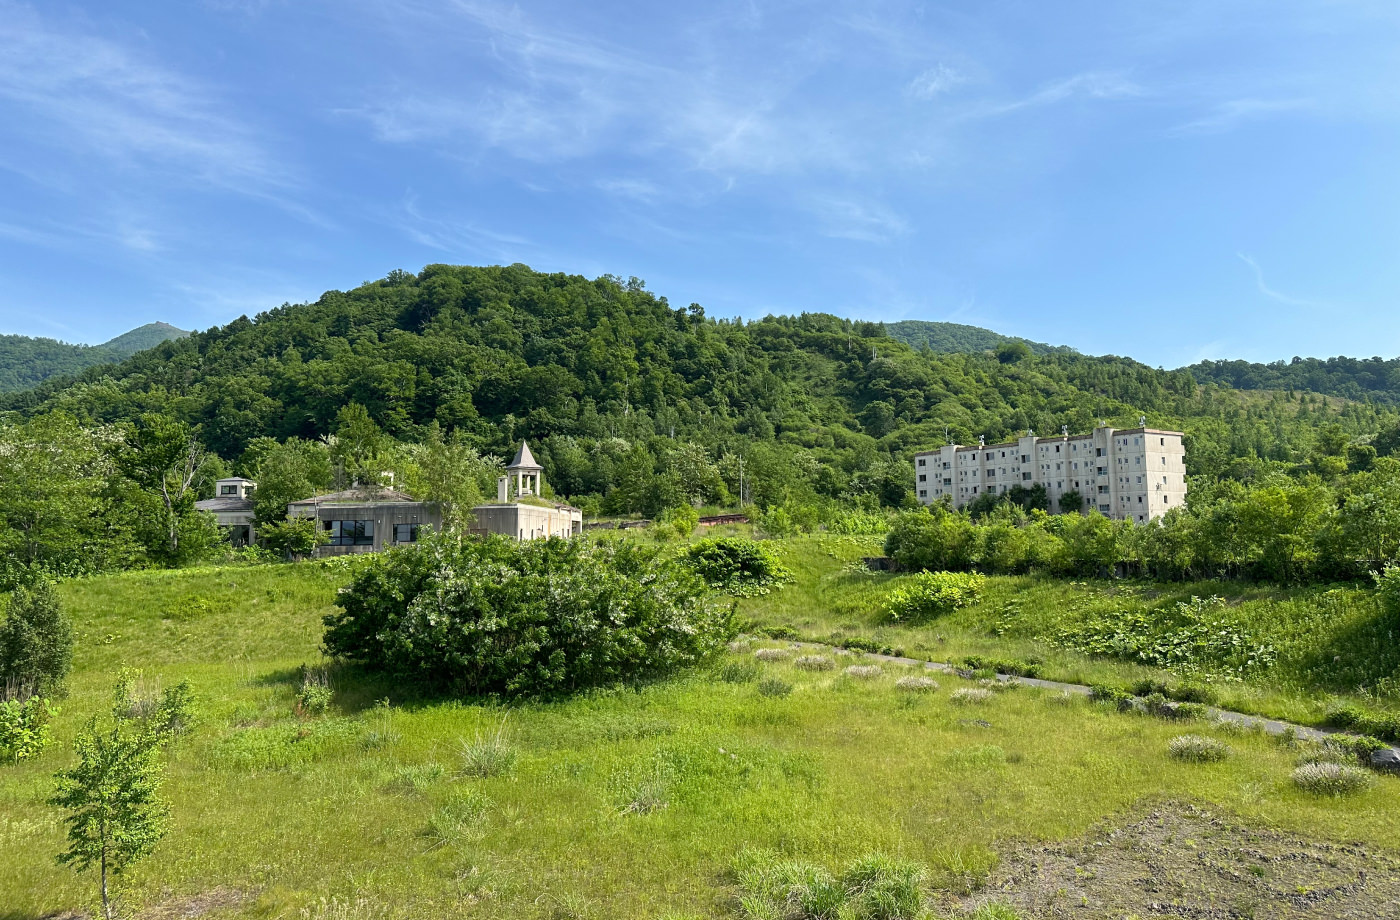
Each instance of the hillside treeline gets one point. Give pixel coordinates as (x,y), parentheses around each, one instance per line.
(1375,379)
(631,405)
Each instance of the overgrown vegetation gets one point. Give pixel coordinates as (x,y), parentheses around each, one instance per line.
(737,566)
(542,618)
(929,595)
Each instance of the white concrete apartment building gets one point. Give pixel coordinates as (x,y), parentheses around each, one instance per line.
(1136,474)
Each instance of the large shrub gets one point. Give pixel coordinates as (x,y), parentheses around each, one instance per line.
(743,568)
(932,594)
(36,642)
(543,618)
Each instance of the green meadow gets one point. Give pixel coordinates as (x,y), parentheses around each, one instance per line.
(639,802)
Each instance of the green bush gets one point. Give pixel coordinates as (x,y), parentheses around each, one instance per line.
(1388,590)
(1384,725)
(1122,700)
(24,728)
(292,538)
(1016,667)
(737,566)
(678,522)
(36,642)
(542,618)
(928,595)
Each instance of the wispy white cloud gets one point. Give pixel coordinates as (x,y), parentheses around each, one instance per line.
(1097,85)
(461,238)
(852,219)
(935,81)
(1270,292)
(1232,112)
(77,93)
(643,190)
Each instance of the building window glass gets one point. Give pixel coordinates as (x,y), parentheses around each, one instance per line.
(228,490)
(406,533)
(351,533)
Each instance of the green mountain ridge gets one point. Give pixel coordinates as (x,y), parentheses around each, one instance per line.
(949,338)
(27,362)
(601,375)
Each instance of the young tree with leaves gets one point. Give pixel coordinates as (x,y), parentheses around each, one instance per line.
(116,814)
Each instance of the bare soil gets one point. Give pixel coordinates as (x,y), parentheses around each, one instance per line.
(1186,861)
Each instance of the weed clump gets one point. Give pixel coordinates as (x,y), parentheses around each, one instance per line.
(1197,749)
(970,696)
(486,756)
(864,671)
(929,595)
(774,687)
(737,672)
(771,654)
(913,684)
(1333,779)
(814,663)
(874,887)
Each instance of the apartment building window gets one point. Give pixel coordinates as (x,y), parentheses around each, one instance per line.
(923,493)
(923,477)
(1105,508)
(1026,477)
(1098,451)
(1057,448)
(1003,455)
(1103,490)
(1025,458)
(948,481)
(1164,461)
(1139,499)
(921,461)
(947,466)
(1165,500)
(1164,442)
(406,533)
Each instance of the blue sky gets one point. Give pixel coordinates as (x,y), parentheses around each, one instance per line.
(1169,181)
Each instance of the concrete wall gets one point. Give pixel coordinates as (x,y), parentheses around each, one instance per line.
(527,522)
(384,515)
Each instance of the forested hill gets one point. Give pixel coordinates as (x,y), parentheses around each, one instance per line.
(27,362)
(1351,378)
(584,368)
(955,337)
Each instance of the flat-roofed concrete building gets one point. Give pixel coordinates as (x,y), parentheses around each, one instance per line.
(1135,474)
(232,507)
(361,520)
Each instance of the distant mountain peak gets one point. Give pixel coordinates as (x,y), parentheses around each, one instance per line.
(26,362)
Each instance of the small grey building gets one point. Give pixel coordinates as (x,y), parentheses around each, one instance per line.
(232,507)
(361,520)
(519,511)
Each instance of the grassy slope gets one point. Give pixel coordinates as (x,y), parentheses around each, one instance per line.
(346,805)
(1331,639)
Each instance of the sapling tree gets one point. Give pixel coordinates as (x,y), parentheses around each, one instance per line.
(116,814)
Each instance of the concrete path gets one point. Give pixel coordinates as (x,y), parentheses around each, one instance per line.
(1269,726)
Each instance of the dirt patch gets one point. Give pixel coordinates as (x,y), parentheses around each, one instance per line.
(196,905)
(1181,860)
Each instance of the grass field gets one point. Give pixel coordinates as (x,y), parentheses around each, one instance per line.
(1331,643)
(621,804)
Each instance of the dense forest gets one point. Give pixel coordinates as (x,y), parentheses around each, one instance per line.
(26,362)
(955,337)
(631,405)
(1360,379)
